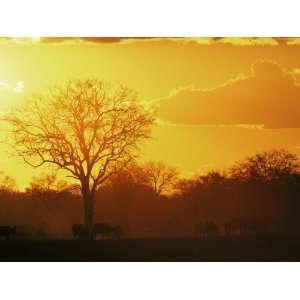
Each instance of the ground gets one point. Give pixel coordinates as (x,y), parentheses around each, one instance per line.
(214,249)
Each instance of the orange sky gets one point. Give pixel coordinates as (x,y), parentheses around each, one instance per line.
(219,99)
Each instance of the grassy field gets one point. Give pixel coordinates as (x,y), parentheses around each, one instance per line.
(218,249)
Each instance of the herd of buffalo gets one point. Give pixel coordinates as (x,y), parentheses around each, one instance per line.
(103,229)
(79,231)
(238,227)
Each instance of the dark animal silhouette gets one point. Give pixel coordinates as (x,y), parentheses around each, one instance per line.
(231,229)
(7,231)
(106,231)
(244,227)
(80,232)
(25,231)
(206,229)
(42,230)
(117,231)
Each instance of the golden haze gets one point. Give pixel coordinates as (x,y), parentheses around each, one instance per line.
(219,99)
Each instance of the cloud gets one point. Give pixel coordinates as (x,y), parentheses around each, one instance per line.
(100,40)
(15,88)
(76,40)
(58,40)
(248,41)
(19,40)
(269,97)
(10,95)
(236,41)
(19,87)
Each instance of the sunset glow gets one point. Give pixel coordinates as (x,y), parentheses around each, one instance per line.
(218,99)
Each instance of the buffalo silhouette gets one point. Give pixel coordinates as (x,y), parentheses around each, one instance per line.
(244,227)
(80,232)
(7,231)
(107,231)
(206,229)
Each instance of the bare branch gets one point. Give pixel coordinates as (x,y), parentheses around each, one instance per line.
(87,127)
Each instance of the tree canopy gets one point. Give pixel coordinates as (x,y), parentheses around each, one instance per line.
(266,166)
(89,128)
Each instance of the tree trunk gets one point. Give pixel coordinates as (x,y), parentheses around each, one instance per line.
(89,200)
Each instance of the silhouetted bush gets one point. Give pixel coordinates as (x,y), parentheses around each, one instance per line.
(245,204)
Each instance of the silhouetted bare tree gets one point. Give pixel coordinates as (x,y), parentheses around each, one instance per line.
(48,182)
(87,127)
(7,183)
(133,175)
(161,177)
(212,179)
(45,182)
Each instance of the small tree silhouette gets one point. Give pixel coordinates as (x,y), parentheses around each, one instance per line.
(87,127)
(48,182)
(161,178)
(7,183)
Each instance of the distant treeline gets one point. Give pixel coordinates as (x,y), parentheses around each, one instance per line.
(151,200)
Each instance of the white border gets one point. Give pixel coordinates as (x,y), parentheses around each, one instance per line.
(149,280)
(149,18)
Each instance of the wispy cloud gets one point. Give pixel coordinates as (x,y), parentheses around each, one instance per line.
(269,96)
(236,41)
(15,88)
